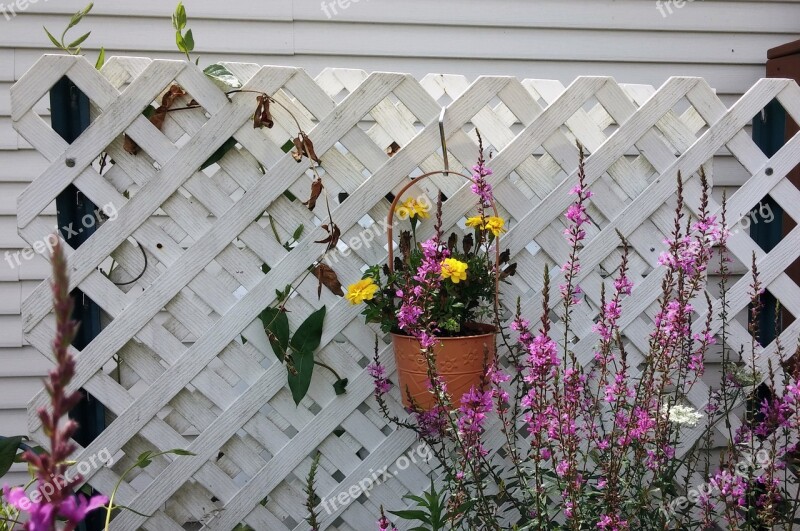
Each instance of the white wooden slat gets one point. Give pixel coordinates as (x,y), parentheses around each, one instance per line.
(726,78)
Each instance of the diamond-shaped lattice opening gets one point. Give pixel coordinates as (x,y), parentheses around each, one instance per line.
(42,108)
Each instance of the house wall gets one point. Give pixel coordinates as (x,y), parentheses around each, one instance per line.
(723,41)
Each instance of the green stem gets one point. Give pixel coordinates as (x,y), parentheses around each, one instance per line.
(130,469)
(326,366)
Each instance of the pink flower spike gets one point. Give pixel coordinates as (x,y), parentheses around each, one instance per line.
(75,508)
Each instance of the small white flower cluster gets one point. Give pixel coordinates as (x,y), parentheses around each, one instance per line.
(681,415)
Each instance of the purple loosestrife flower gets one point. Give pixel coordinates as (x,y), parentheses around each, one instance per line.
(383,523)
(378,373)
(433,423)
(480,186)
(476,405)
(428,278)
(55,492)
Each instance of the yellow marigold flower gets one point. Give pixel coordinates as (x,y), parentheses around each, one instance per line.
(454,270)
(495,225)
(411,208)
(363,290)
(475,222)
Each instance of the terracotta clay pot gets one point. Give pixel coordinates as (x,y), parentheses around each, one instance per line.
(459,361)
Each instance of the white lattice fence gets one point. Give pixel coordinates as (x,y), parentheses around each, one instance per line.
(187,377)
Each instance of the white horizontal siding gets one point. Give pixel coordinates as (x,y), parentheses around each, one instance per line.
(723,41)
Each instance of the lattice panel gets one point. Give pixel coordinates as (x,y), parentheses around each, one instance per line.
(196,371)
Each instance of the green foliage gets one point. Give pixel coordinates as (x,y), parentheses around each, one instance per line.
(143,461)
(9,446)
(219,153)
(276,325)
(74,47)
(101,59)
(312,500)
(184,40)
(340,387)
(309,334)
(455,305)
(297,350)
(303,344)
(431,511)
(223,77)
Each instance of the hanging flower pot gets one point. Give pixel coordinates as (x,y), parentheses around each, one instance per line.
(432,297)
(460,362)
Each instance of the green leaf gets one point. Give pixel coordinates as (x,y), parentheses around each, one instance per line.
(77,42)
(179,17)
(219,153)
(180,43)
(222,77)
(244,340)
(309,334)
(412,514)
(288,146)
(149,111)
(101,59)
(8,452)
(144,459)
(178,451)
(77,17)
(298,232)
(188,39)
(303,344)
(38,450)
(53,39)
(340,386)
(276,325)
(301,381)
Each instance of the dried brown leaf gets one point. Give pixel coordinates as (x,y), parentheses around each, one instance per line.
(510,271)
(130,146)
(316,191)
(308,147)
(468,243)
(393,148)
(405,246)
(168,99)
(297,153)
(327,277)
(333,236)
(257,115)
(452,242)
(157,119)
(263,117)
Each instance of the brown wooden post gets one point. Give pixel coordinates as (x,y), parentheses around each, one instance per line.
(784,61)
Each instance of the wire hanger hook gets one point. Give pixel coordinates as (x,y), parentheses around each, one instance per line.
(444,143)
